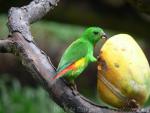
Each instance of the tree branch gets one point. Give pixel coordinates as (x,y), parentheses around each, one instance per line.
(20,18)
(38,63)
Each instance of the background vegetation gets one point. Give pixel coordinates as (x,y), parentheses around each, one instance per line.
(19,92)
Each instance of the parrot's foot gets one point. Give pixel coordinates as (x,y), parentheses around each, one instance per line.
(73,87)
(131,105)
(75,92)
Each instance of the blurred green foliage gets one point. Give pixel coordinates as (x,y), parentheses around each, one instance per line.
(3,26)
(17,99)
(61,31)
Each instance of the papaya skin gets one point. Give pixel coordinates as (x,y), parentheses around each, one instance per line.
(123,73)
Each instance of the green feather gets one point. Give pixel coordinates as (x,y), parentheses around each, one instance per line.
(82,47)
(77,50)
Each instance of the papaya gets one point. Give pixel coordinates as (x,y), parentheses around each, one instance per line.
(123,73)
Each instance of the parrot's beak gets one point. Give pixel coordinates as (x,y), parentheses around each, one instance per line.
(104,39)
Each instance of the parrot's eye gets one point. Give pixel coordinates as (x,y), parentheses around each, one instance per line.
(95,32)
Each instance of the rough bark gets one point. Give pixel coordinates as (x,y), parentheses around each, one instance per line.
(21,44)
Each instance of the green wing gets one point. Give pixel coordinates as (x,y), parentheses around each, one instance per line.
(74,52)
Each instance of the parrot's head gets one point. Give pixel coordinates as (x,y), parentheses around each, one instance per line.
(94,34)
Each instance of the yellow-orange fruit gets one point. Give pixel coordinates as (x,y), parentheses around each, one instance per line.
(123,73)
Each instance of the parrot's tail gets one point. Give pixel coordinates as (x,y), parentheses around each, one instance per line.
(61,73)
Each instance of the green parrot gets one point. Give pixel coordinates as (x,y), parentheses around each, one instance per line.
(79,54)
